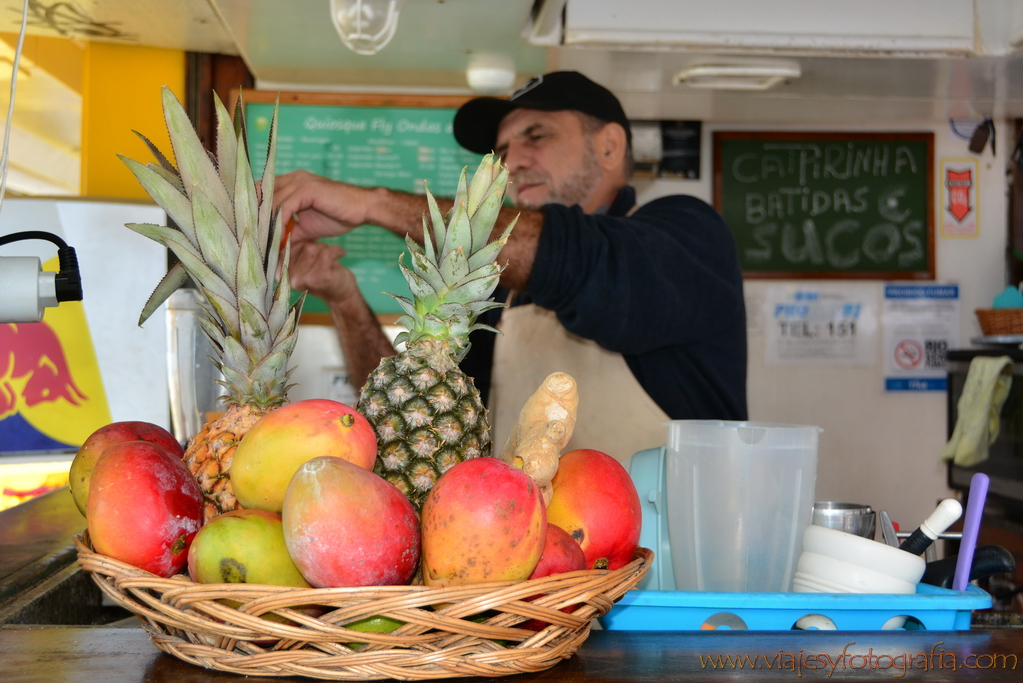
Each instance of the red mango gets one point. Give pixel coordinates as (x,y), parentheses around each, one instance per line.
(483,520)
(144,507)
(596,502)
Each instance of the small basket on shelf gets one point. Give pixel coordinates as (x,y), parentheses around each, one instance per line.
(473,630)
(1000,321)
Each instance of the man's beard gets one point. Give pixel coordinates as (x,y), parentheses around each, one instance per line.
(571,191)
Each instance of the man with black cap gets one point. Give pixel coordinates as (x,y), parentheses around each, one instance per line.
(641,305)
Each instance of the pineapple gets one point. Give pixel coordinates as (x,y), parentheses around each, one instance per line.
(227,240)
(426,412)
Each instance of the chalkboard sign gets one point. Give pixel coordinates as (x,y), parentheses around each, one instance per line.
(828,205)
(403,143)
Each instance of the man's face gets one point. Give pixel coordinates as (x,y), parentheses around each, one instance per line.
(550,158)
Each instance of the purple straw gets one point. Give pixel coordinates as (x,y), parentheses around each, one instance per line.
(971,525)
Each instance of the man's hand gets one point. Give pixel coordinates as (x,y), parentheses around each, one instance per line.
(324,207)
(314,267)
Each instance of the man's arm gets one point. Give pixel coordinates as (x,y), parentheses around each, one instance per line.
(326,207)
(315,268)
(363,341)
(402,214)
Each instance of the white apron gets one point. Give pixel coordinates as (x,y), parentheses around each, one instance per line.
(615,414)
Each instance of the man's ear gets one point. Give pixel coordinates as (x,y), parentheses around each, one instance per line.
(610,145)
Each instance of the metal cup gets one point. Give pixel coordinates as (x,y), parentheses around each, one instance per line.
(852,518)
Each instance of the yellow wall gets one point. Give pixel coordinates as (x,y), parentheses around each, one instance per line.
(121,93)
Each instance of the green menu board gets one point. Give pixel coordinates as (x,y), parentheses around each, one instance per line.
(828,205)
(403,148)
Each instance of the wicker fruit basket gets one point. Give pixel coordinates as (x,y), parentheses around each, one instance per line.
(1000,321)
(447,632)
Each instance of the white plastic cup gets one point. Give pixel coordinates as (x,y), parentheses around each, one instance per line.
(739,497)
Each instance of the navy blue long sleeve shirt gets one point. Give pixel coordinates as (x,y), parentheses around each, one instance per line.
(662,287)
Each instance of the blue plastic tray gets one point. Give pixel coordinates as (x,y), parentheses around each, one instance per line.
(931,608)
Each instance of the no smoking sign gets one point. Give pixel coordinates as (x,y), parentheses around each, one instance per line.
(909,354)
(920,324)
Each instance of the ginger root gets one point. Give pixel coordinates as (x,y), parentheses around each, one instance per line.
(538,453)
(544,428)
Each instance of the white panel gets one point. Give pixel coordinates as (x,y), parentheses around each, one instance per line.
(797,26)
(318,367)
(119,269)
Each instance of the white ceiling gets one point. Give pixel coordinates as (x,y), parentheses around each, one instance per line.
(291,44)
(285,44)
(180,24)
(831,90)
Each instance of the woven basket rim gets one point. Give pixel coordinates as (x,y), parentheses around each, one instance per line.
(1000,321)
(456,631)
(999,311)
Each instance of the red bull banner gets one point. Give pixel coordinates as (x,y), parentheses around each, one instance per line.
(959,198)
(51,390)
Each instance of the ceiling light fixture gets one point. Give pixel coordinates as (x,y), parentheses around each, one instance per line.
(365,26)
(490,73)
(736,76)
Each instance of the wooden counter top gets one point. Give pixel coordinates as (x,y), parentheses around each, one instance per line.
(37,530)
(57,654)
(39,577)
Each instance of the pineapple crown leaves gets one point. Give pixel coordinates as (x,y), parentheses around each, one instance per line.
(199,204)
(454,272)
(225,234)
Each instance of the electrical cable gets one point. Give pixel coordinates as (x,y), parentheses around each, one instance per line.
(10,107)
(33,235)
(68,281)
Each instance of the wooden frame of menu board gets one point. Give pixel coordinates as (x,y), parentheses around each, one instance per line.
(350,99)
(403,142)
(828,205)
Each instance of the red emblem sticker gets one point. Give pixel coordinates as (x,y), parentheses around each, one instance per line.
(959,184)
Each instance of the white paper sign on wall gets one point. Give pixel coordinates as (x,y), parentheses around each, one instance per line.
(821,323)
(920,324)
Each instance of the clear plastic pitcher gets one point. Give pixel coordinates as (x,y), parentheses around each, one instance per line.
(739,496)
(193,378)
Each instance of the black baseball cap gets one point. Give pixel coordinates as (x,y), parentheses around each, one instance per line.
(476,121)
